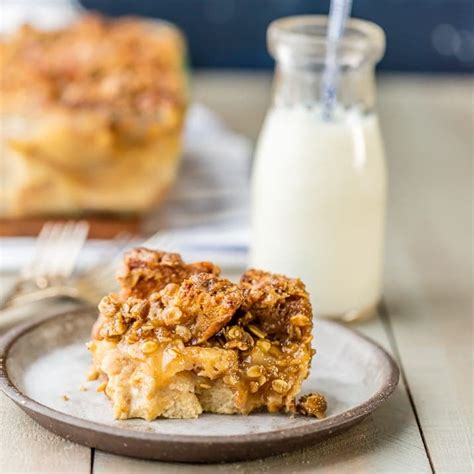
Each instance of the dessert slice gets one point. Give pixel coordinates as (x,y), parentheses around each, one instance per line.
(179,340)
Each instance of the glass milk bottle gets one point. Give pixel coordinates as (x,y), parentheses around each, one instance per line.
(319,185)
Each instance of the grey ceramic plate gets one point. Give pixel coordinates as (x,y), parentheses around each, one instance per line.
(45,359)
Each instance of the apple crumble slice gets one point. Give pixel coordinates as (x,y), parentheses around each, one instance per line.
(179,340)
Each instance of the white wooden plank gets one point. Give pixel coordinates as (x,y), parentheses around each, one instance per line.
(429,126)
(26,447)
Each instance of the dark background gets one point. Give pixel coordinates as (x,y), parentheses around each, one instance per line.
(422,35)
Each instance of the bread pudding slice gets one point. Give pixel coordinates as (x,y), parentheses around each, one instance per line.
(179,340)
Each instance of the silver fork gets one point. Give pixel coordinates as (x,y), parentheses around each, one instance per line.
(98,281)
(56,251)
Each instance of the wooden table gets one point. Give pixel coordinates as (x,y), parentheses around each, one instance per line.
(426,319)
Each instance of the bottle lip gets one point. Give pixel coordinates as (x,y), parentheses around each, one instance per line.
(303,39)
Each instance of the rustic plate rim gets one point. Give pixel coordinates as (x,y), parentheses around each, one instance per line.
(327,424)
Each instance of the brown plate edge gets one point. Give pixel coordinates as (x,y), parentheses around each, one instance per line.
(186,448)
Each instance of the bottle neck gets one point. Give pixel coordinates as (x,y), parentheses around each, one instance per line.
(302,86)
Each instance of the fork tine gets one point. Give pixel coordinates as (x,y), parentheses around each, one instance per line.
(57,248)
(72,247)
(28,270)
(60,255)
(47,257)
(47,234)
(64,247)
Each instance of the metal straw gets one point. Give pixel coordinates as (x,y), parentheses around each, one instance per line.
(339,12)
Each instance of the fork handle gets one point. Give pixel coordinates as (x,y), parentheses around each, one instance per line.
(37,295)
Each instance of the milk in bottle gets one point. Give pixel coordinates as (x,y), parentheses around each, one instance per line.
(318,185)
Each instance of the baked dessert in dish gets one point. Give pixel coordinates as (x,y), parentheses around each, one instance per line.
(179,340)
(92,116)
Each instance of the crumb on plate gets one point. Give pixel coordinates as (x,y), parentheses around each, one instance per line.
(313,404)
